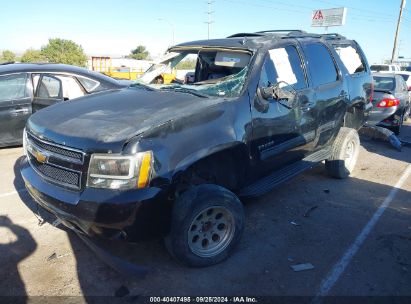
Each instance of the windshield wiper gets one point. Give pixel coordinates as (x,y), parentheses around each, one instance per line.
(184,90)
(144,86)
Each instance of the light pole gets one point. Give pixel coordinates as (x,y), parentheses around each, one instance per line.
(171,26)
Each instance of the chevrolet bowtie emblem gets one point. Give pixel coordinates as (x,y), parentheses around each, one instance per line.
(41,158)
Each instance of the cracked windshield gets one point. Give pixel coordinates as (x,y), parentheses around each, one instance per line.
(200,72)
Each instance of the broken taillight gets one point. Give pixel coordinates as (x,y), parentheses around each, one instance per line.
(388,102)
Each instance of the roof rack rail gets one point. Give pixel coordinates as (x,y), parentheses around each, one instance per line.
(7,62)
(280,31)
(333,36)
(304,35)
(245,35)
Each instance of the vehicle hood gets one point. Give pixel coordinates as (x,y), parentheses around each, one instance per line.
(106,121)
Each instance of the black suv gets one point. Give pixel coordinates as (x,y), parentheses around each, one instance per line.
(242,115)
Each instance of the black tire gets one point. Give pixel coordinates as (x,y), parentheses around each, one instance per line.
(344,153)
(201,200)
(397,129)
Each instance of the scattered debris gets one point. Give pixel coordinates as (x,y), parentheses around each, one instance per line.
(52,257)
(122,292)
(302,267)
(309,210)
(382,133)
(294,223)
(38,216)
(326,191)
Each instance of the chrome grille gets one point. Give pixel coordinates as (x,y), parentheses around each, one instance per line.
(55,163)
(56,149)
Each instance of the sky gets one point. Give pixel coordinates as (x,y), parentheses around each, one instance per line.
(113,28)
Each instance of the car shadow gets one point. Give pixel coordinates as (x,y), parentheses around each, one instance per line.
(16,244)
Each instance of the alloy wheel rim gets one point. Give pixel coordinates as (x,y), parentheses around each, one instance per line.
(211,231)
(349,154)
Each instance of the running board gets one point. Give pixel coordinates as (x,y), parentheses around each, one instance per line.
(266,184)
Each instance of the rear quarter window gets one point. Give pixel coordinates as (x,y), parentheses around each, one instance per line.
(350,58)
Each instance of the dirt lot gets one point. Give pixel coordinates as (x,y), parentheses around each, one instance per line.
(357,236)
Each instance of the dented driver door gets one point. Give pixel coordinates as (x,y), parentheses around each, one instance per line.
(283,131)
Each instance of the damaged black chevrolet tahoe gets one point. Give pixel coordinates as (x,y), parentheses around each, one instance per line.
(240,116)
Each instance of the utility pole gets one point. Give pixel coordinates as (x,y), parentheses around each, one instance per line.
(394,49)
(209,19)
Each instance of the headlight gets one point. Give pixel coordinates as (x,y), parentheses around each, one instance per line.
(120,171)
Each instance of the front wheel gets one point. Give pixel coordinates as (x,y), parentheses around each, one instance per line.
(207,223)
(344,153)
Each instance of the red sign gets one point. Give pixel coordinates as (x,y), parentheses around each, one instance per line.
(318,15)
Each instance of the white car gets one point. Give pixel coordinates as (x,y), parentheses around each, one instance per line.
(389,68)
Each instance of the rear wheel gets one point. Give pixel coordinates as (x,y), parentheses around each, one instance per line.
(207,223)
(344,153)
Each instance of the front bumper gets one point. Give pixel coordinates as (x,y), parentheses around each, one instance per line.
(99,212)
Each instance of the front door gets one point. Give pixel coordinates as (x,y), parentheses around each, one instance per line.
(282,132)
(15,107)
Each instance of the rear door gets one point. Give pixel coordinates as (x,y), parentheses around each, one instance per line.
(354,68)
(49,90)
(15,107)
(331,92)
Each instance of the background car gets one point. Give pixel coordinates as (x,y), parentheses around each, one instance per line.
(391,101)
(407,77)
(26,88)
(384,68)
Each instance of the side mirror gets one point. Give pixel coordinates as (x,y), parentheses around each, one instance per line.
(282,92)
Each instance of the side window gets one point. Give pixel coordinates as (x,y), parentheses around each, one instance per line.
(13,87)
(403,84)
(89,84)
(283,64)
(71,88)
(350,57)
(321,64)
(49,88)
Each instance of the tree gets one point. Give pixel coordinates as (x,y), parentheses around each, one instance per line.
(32,55)
(8,56)
(140,53)
(64,51)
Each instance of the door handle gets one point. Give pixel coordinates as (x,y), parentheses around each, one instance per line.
(19,111)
